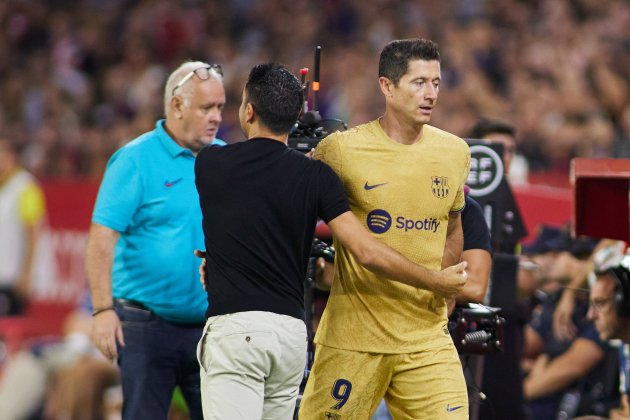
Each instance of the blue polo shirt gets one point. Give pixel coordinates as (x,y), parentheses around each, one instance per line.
(624,369)
(148,194)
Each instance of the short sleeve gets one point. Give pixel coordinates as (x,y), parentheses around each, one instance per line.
(32,205)
(119,194)
(476,232)
(328,151)
(333,200)
(459,203)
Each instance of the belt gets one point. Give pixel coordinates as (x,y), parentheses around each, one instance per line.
(138,305)
(131,304)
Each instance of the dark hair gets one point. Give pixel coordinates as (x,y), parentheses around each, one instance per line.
(276,95)
(486,126)
(397,54)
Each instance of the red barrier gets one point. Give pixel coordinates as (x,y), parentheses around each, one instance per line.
(540,204)
(59,280)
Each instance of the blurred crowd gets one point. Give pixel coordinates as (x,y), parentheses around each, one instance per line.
(79,78)
(570,362)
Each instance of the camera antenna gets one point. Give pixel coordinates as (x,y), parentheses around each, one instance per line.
(308,130)
(316,62)
(312,118)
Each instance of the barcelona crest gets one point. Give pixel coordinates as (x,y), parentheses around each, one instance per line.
(439,186)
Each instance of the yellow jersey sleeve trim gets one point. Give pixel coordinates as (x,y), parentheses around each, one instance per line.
(31,205)
(458,210)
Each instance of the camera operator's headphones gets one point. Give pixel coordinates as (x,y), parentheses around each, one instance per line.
(622,290)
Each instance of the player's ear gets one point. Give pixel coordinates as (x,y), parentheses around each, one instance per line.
(386,86)
(250,112)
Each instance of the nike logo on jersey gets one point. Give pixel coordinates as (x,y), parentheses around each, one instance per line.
(169,184)
(449,408)
(371,187)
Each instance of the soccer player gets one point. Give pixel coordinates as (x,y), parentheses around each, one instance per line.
(405,181)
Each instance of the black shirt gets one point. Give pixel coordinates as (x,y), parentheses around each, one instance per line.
(476,232)
(260,202)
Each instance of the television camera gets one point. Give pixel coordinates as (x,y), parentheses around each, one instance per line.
(476,329)
(319,249)
(310,127)
(322,249)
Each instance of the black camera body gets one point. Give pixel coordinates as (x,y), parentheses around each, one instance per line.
(322,249)
(310,129)
(476,329)
(307,132)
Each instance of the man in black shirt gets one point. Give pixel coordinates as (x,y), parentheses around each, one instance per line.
(477,252)
(260,202)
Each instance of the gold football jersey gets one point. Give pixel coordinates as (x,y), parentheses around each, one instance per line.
(403,194)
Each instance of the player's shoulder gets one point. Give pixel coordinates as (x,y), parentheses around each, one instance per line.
(349,137)
(369,129)
(445,137)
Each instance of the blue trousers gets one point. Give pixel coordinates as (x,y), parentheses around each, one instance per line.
(158,355)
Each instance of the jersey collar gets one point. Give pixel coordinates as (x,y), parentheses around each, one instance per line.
(169,143)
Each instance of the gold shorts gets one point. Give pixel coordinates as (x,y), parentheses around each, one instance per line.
(345,384)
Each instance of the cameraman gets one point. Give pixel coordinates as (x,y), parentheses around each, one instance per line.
(260,202)
(610,311)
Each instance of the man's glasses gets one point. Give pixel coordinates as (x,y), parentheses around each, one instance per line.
(203,73)
(599,304)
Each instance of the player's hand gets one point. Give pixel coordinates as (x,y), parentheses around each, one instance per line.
(202,267)
(563,327)
(106,332)
(451,280)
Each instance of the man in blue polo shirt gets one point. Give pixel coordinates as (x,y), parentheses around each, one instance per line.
(148,306)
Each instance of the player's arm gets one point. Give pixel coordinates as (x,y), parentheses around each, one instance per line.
(385,261)
(479,266)
(99,257)
(477,253)
(454,244)
(453,247)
